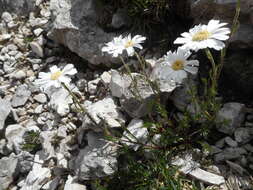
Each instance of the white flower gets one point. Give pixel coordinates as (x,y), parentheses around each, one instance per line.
(119,44)
(205,36)
(179,65)
(115,47)
(55,77)
(131,43)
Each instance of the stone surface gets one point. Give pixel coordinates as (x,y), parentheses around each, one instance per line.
(104,113)
(21,96)
(41,98)
(5,109)
(14,135)
(136,134)
(75,25)
(8,171)
(20,7)
(231,142)
(97,160)
(72,185)
(230,117)
(243,135)
(229,153)
(37,49)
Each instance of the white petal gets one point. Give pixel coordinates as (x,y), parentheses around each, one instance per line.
(54,69)
(64,79)
(69,70)
(130,51)
(138,46)
(44,75)
(193,62)
(181,40)
(190,69)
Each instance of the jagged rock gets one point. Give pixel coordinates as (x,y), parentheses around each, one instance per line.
(5,109)
(103,112)
(137,130)
(76,25)
(38,175)
(37,49)
(21,96)
(3,147)
(20,7)
(60,101)
(230,117)
(14,135)
(121,19)
(41,98)
(98,159)
(46,138)
(25,160)
(9,169)
(72,185)
(231,142)
(229,153)
(135,97)
(243,135)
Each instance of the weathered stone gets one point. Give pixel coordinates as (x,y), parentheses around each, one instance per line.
(5,109)
(136,133)
(71,184)
(121,19)
(14,135)
(21,96)
(230,117)
(231,142)
(41,98)
(104,113)
(98,159)
(243,135)
(75,25)
(20,7)
(37,49)
(229,153)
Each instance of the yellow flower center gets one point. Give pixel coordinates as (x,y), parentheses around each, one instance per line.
(178,65)
(200,36)
(129,44)
(56,75)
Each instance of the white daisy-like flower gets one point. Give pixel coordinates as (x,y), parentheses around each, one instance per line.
(130,43)
(55,77)
(205,36)
(115,47)
(178,65)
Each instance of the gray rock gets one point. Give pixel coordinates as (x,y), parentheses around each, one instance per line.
(38,175)
(9,169)
(5,109)
(21,96)
(3,147)
(71,184)
(75,25)
(243,135)
(231,142)
(220,143)
(104,113)
(20,7)
(229,154)
(248,147)
(47,138)
(121,19)
(18,75)
(98,159)
(25,160)
(106,78)
(41,98)
(38,109)
(37,49)
(135,135)
(7,17)
(14,135)
(230,117)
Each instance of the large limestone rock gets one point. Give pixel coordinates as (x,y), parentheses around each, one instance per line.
(5,109)
(76,24)
(20,7)
(203,10)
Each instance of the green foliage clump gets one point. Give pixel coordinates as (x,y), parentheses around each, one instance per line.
(32,142)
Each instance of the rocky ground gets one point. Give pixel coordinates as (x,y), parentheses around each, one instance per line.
(45,143)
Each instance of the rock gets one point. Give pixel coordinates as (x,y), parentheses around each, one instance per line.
(97,160)
(8,171)
(7,17)
(135,97)
(14,135)
(3,147)
(25,160)
(38,31)
(38,109)
(20,7)
(236,167)
(92,86)
(37,49)
(21,96)
(121,19)
(138,134)
(5,109)
(72,185)
(104,113)
(231,142)
(230,117)
(76,25)
(106,78)
(18,75)
(60,101)
(38,175)
(207,177)
(46,139)
(229,153)
(41,98)
(243,135)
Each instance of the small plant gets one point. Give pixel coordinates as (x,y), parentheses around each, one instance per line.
(32,141)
